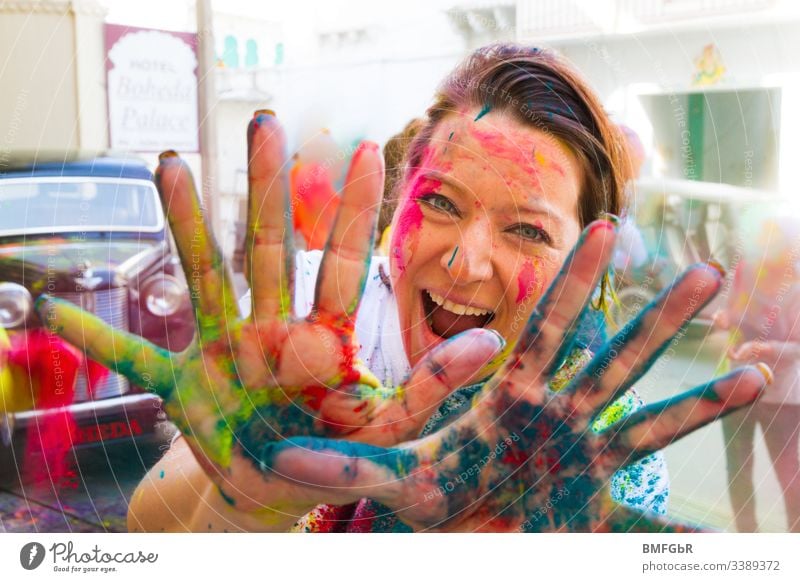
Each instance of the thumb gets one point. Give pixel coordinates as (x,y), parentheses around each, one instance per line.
(460,361)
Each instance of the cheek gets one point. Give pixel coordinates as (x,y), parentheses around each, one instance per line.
(405,234)
(529,280)
(526,287)
(408,223)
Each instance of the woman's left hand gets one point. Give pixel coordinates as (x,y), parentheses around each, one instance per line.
(752,351)
(525,458)
(273,374)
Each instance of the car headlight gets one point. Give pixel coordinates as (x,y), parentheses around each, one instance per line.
(15,305)
(163,295)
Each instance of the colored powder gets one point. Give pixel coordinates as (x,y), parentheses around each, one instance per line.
(526,281)
(501,147)
(545,163)
(8,395)
(453,258)
(314,203)
(52,367)
(410,219)
(486,109)
(449,137)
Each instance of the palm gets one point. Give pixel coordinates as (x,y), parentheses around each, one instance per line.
(287,375)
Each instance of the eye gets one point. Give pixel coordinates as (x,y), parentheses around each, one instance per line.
(440,203)
(531,232)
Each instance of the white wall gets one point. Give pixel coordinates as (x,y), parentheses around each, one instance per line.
(750,54)
(363,101)
(52,72)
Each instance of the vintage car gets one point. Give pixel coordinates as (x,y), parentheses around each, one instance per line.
(92,232)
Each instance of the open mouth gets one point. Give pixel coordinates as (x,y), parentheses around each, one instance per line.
(447,319)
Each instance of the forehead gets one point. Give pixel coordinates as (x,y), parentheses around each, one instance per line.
(496,154)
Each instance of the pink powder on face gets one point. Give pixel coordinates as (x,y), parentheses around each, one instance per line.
(410,219)
(542,161)
(526,281)
(404,239)
(512,148)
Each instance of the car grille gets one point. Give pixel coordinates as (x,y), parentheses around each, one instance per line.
(110,305)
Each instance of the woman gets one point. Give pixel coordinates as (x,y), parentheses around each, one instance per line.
(280,415)
(762,313)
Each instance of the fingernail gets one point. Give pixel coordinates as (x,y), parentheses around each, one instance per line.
(612,218)
(259,112)
(165,155)
(766,371)
(717,267)
(500,338)
(368,145)
(363,147)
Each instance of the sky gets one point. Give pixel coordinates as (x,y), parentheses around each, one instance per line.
(174,14)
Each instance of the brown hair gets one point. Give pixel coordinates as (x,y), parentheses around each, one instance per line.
(394,154)
(546,93)
(542,91)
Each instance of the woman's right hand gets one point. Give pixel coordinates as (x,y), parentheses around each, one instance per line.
(272,376)
(525,457)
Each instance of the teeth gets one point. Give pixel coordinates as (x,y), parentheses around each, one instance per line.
(455,307)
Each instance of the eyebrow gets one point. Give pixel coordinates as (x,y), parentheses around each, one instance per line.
(536,206)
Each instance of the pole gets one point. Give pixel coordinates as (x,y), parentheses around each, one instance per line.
(207,96)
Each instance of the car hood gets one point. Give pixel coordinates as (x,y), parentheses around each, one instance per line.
(65,255)
(58,262)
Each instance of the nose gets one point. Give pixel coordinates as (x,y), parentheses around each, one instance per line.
(469,260)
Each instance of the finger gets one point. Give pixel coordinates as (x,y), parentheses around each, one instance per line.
(342,471)
(662,423)
(460,361)
(626,520)
(345,264)
(269,239)
(628,355)
(549,334)
(210,285)
(143,363)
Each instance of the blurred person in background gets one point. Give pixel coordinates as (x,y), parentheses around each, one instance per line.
(763,316)
(631,252)
(315,200)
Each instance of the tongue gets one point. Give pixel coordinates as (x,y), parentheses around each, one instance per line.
(447,324)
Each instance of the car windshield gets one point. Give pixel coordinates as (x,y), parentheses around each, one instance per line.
(44,205)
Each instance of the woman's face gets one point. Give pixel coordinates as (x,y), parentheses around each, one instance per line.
(482,227)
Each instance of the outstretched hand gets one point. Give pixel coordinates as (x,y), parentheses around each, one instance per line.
(272,372)
(525,458)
